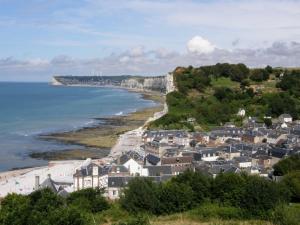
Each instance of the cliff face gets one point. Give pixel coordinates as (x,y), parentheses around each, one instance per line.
(162,84)
(146,84)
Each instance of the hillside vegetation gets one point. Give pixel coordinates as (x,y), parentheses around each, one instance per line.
(212,95)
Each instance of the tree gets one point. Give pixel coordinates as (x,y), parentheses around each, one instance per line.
(262,195)
(228,188)
(268,122)
(14,210)
(269,69)
(89,199)
(200,184)
(259,75)
(291,181)
(175,197)
(287,165)
(141,195)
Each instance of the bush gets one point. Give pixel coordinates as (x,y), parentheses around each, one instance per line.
(260,196)
(42,207)
(259,75)
(291,182)
(200,184)
(208,211)
(175,197)
(287,165)
(90,200)
(229,188)
(141,195)
(14,210)
(286,215)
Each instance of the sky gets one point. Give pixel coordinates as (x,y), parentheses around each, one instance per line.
(42,38)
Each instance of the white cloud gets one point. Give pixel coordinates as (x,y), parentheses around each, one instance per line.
(199,45)
(148,62)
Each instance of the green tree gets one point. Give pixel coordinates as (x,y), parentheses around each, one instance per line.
(175,197)
(228,188)
(141,195)
(291,181)
(259,75)
(287,165)
(14,210)
(200,184)
(261,195)
(89,199)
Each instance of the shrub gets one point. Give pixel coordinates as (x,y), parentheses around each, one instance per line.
(208,211)
(286,215)
(141,195)
(175,197)
(89,199)
(287,165)
(229,188)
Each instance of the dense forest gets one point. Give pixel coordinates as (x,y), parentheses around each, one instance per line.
(233,197)
(213,95)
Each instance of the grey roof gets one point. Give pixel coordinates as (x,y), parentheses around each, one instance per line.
(159,170)
(88,171)
(63,193)
(242,159)
(118,181)
(152,159)
(49,183)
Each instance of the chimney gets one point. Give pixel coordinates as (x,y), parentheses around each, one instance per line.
(37,182)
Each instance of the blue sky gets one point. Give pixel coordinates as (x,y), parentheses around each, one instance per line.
(39,38)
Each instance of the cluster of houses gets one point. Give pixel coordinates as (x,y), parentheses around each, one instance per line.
(253,149)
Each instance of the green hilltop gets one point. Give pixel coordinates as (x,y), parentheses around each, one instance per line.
(210,96)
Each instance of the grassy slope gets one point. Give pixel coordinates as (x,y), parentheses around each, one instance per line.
(116,214)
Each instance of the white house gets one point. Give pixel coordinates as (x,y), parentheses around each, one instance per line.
(134,168)
(286,118)
(90,176)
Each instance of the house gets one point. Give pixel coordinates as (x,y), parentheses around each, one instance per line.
(115,186)
(134,168)
(253,137)
(151,160)
(118,170)
(229,153)
(200,137)
(209,153)
(151,171)
(285,118)
(222,167)
(90,176)
(60,188)
(178,164)
(262,161)
(274,137)
(243,161)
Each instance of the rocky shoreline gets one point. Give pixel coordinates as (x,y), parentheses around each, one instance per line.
(96,141)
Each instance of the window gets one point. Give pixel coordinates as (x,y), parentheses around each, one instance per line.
(114,192)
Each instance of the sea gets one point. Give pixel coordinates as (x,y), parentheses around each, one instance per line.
(30,109)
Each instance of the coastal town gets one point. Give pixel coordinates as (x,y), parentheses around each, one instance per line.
(161,154)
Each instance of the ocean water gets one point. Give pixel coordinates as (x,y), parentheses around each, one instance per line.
(30,109)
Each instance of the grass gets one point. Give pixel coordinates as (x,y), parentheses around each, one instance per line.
(205,215)
(224,82)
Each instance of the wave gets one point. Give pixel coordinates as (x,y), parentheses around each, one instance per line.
(119,113)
